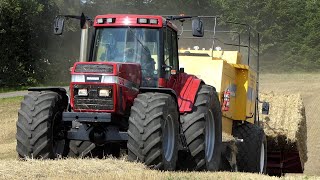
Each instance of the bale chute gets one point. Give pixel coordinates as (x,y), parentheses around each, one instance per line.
(286,131)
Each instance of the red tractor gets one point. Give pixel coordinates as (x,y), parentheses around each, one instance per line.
(127,93)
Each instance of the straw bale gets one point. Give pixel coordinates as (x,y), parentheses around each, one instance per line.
(285,126)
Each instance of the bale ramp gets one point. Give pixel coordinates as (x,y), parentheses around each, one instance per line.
(286,132)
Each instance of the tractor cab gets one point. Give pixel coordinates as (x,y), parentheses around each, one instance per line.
(150,41)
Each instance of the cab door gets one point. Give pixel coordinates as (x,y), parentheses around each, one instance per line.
(171,61)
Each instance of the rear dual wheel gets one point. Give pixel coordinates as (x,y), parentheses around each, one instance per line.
(203,131)
(153,131)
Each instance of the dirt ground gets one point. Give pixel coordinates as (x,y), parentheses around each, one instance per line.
(308,85)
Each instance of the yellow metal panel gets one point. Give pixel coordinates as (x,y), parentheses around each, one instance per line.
(204,68)
(232,57)
(227,82)
(252,95)
(240,66)
(241,94)
(227,125)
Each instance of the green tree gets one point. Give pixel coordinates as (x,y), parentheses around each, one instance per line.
(24,27)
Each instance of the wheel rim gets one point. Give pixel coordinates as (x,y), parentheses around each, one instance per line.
(262,156)
(210,136)
(168,138)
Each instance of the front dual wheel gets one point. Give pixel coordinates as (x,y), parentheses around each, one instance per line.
(39,127)
(153,131)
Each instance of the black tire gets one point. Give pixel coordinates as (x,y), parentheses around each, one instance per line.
(204,153)
(153,131)
(252,152)
(39,130)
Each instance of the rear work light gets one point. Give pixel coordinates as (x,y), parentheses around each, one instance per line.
(111,20)
(147,21)
(153,21)
(142,21)
(108,20)
(100,21)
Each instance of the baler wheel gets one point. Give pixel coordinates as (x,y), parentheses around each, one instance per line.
(203,131)
(252,152)
(39,134)
(153,131)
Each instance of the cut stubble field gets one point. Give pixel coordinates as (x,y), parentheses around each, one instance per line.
(10,168)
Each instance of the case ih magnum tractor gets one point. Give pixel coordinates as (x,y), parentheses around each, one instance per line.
(129,94)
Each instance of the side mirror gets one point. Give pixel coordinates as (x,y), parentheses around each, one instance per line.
(181,70)
(58,25)
(197,27)
(265,108)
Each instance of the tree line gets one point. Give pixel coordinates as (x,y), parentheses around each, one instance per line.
(31,55)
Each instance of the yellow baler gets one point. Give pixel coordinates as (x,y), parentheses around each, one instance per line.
(225,71)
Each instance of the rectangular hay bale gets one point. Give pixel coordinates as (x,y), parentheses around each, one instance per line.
(285,126)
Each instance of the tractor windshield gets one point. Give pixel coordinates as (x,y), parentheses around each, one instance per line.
(131,45)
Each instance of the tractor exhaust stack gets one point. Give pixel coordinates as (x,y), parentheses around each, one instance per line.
(85,24)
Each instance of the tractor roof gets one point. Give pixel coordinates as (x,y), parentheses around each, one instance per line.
(132,20)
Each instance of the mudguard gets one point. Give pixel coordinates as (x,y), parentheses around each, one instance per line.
(54,89)
(60,90)
(186,87)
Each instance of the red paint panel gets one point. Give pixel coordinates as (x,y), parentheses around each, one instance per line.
(114,87)
(107,63)
(129,20)
(123,96)
(130,72)
(186,87)
(162,82)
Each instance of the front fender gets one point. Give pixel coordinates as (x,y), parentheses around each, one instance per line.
(60,90)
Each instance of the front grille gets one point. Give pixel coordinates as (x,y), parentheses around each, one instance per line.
(93,101)
(94,68)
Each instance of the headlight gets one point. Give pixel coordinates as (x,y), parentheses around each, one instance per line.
(83,92)
(78,78)
(105,92)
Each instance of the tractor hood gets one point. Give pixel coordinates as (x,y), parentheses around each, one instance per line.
(104,72)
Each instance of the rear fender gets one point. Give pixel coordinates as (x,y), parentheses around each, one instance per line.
(186,86)
(160,90)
